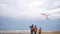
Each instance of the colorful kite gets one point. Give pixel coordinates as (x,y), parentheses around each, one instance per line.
(46,15)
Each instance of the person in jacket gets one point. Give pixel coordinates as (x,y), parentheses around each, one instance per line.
(31,28)
(40,30)
(35,29)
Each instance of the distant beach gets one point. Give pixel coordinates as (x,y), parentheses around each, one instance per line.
(27,32)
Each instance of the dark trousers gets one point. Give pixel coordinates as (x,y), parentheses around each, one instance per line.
(39,32)
(34,32)
(31,32)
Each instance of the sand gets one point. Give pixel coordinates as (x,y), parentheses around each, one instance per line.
(26,32)
(50,33)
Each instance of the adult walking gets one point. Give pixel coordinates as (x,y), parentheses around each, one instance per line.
(40,30)
(35,29)
(31,28)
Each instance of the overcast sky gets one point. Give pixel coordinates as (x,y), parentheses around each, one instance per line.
(29,8)
(13,13)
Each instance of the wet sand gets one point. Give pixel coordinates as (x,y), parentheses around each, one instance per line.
(28,32)
(50,33)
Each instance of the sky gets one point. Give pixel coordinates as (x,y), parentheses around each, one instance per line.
(21,13)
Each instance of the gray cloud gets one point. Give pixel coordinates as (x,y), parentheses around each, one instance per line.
(21,7)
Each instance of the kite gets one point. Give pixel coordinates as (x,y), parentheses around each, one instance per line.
(46,15)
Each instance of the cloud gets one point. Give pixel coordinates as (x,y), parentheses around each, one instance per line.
(55,5)
(14,13)
(29,8)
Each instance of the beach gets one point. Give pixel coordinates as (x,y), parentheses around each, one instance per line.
(26,32)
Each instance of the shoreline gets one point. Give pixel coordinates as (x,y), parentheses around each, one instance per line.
(28,30)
